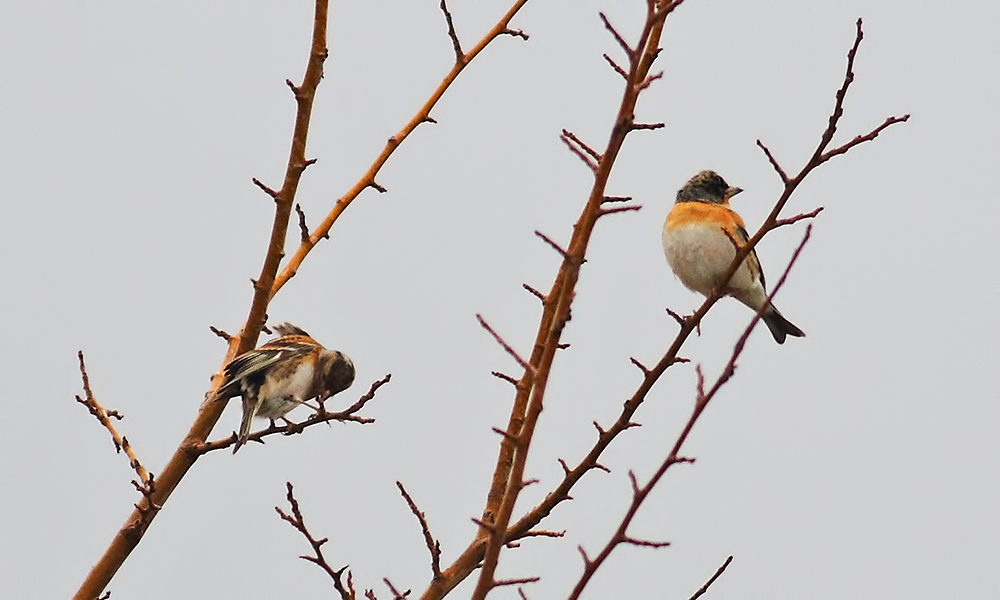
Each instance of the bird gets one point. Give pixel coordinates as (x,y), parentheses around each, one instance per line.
(281,374)
(699,251)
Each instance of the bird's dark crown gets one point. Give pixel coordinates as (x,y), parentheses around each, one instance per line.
(707,186)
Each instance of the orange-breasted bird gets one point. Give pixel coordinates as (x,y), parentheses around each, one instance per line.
(700,252)
(278,376)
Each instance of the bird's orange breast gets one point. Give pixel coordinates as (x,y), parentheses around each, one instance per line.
(689,213)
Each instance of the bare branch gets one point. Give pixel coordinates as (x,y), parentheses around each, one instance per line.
(222,334)
(509,582)
(272,193)
(860,139)
(615,66)
(718,573)
(774,162)
(590,151)
(618,38)
(295,520)
(618,209)
(505,377)
(551,243)
(434,547)
(534,292)
(303,229)
(459,55)
(579,152)
(104,417)
(808,215)
(503,344)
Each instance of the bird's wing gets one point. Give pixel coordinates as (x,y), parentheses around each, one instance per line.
(257,362)
(752,261)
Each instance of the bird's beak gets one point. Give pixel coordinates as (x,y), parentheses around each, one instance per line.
(732,191)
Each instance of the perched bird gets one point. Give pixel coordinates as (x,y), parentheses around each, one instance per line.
(700,252)
(278,376)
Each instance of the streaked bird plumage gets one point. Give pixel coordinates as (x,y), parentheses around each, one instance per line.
(699,251)
(281,374)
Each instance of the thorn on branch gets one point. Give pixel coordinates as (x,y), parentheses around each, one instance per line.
(222,334)
(504,345)
(634,482)
(295,89)
(272,193)
(512,438)
(618,209)
(487,526)
(505,377)
(615,66)
(428,119)
(590,151)
(647,126)
(565,467)
(551,243)
(642,367)
(515,33)
(601,467)
(583,553)
(534,292)
(680,320)
(303,229)
(648,81)
(581,150)
(618,38)
(610,199)
(377,187)
(600,430)
(459,55)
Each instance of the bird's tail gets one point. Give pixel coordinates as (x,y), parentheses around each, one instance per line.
(250,407)
(780,326)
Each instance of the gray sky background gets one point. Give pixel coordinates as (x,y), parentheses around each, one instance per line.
(859,462)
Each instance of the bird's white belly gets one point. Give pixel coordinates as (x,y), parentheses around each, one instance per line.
(700,255)
(280,396)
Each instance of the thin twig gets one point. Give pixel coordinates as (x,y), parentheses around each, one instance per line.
(104,417)
(320,415)
(718,573)
(459,55)
(496,336)
(433,546)
(295,520)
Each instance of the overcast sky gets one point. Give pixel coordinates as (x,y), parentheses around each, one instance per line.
(862,461)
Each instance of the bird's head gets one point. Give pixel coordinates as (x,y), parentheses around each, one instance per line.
(707,186)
